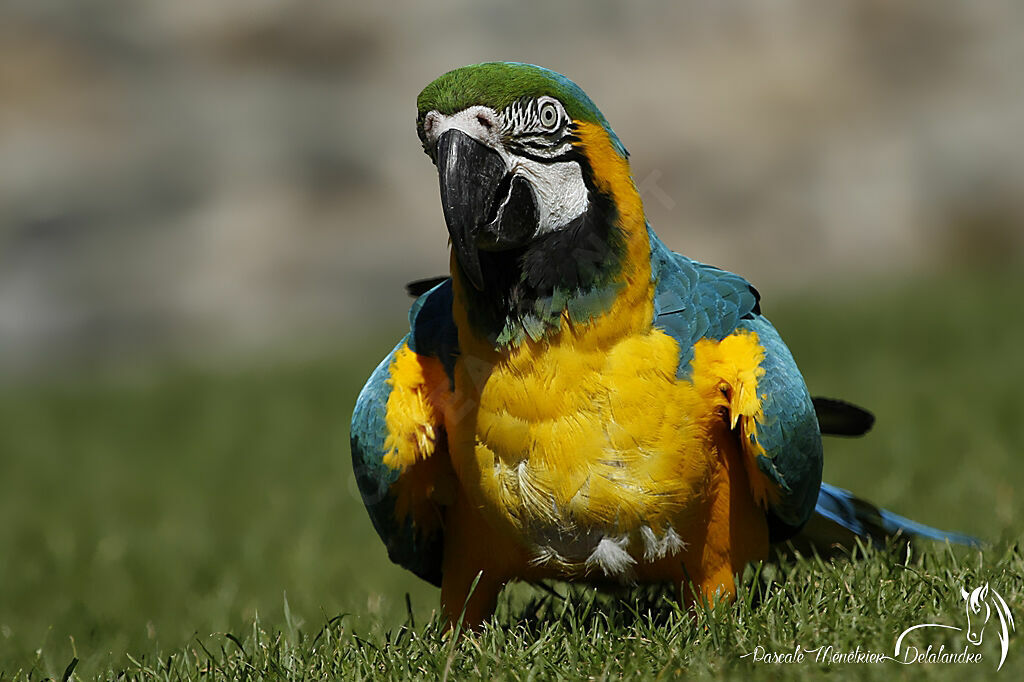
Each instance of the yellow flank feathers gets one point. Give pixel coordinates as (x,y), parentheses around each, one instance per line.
(735,364)
(413,417)
(418,386)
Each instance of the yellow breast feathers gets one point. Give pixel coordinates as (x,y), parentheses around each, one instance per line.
(586,448)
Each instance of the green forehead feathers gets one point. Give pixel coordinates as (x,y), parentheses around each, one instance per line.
(499,84)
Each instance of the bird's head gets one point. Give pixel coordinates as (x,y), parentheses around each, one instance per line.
(523,155)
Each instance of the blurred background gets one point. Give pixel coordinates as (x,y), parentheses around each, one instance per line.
(208,212)
(188,177)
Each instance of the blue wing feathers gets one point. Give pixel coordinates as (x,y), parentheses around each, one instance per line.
(694,301)
(432,333)
(788,431)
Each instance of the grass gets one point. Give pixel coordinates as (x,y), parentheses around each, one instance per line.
(204,524)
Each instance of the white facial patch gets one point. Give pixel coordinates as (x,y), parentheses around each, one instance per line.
(559,190)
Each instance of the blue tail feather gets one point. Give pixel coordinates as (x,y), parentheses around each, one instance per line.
(839,517)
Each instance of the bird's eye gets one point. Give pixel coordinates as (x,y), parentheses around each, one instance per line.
(548,115)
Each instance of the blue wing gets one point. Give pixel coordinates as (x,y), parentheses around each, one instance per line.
(694,301)
(432,329)
(788,433)
(432,333)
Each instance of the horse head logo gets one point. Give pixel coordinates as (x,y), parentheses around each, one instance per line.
(980,603)
(979,609)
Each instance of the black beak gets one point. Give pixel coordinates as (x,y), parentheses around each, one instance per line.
(471,175)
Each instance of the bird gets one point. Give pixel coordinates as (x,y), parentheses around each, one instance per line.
(575,401)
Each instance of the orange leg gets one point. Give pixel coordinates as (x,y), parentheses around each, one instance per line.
(696,582)
(455,596)
(470,556)
(718,586)
(733,532)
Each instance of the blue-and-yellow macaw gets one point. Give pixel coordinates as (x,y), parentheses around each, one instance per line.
(577,401)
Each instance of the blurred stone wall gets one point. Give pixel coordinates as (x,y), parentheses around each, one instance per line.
(202,177)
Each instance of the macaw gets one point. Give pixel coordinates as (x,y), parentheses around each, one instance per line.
(576,401)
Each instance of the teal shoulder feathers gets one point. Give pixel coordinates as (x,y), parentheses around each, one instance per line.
(694,301)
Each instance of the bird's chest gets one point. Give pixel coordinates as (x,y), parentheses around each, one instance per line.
(566,443)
